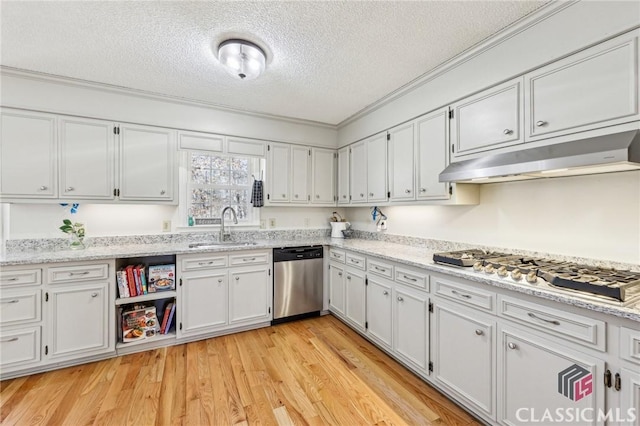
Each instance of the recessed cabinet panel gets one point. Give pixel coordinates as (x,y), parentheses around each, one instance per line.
(343,176)
(630,394)
(401,163)
(279,167)
(204,297)
(489,120)
(336,289)
(411,328)
(596,87)
(379,310)
(23,174)
(355,298)
(200,141)
(432,137)
(377,168)
(300,163)
(358,172)
(323,175)
(87,159)
(19,306)
(19,347)
(249,298)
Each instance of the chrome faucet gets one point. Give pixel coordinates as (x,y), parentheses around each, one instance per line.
(235,220)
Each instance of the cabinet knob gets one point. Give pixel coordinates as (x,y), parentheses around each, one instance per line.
(507,131)
(371,194)
(163,192)
(479,332)
(339,274)
(295,196)
(407,191)
(512,345)
(400,299)
(284,196)
(237,278)
(423,189)
(317,196)
(541,123)
(220,280)
(348,277)
(94,294)
(344,196)
(70,188)
(386,293)
(43,188)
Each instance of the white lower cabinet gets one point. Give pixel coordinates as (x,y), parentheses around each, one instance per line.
(336,289)
(463,354)
(379,310)
(78,319)
(630,394)
(355,295)
(20,347)
(249,295)
(205,295)
(540,381)
(411,327)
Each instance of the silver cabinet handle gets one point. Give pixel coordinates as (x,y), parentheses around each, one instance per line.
(534,316)
(163,192)
(71,274)
(206,263)
(507,131)
(220,280)
(237,278)
(379,269)
(464,296)
(479,332)
(70,188)
(512,345)
(541,123)
(348,277)
(94,294)
(13,339)
(43,188)
(11,301)
(339,274)
(407,191)
(400,299)
(248,259)
(409,278)
(357,262)
(423,189)
(385,293)
(10,279)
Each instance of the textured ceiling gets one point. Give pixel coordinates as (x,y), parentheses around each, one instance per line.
(326,60)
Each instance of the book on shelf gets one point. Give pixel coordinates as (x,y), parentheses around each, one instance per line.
(161,278)
(143,279)
(165,317)
(139,322)
(123,285)
(170,320)
(131,280)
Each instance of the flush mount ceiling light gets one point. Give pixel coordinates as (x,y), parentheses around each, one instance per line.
(243,59)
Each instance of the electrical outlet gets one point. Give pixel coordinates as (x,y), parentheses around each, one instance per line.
(307,222)
(272,222)
(263,223)
(166,226)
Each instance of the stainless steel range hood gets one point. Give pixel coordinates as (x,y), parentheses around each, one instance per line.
(602,154)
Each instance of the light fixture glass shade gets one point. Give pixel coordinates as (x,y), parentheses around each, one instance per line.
(243,59)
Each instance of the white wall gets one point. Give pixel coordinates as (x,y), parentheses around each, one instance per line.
(594,216)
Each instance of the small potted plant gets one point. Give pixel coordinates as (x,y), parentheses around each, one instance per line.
(76,231)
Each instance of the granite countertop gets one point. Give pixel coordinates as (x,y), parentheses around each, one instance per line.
(420,257)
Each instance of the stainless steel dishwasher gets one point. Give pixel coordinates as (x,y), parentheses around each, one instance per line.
(297,283)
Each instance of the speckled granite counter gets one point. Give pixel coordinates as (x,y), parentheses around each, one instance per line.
(407,254)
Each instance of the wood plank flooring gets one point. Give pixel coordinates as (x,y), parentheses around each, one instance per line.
(310,372)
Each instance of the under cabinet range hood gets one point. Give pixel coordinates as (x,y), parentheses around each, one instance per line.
(602,154)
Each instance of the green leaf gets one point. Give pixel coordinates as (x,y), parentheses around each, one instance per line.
(66,228)
(66,222)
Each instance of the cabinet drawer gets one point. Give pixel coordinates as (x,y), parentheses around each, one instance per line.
(577,328)
(464,294)
(20,347)
(254,258)
(356,261)
(20,277)
(65,274)
(19,307)
(630,344)
(204,262)
(337,255)
(380,268)
(412,278)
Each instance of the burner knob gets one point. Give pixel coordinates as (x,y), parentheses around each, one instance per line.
(532,278)
(489,269)
(502,271)
(477,266)
(516,274)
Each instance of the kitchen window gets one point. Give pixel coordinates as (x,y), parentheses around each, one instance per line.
(216,181)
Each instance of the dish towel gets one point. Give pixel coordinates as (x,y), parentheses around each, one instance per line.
(257,197)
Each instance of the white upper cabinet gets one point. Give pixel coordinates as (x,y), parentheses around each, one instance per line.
(323,172)
(343,176)
(200,141)
(488,120)
(23,174)
(87,159)
(279,166)
(401,163)
(591,89)
(358,172)
(377,168)
(147,163)
(300,166)
(432,146)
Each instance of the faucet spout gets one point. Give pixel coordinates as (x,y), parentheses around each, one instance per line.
(235,220)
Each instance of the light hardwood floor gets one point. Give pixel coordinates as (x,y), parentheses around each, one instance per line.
(315,371)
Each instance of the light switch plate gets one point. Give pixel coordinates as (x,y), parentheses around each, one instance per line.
(272,222)
(166,226)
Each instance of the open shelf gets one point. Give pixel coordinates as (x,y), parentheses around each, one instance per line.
(145,344)
(147,297)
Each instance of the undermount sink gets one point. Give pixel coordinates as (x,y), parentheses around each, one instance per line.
(214,244)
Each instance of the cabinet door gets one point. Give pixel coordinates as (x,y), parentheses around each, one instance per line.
(595,88)
(379,309)
(147,163)
(401,163)
(203,301)
(78,320)
(411,328)
(249,296)
(336,289)
(432,134)
(464,355)
(489,120)
(630,395)
(377,168)
(323,176)
(355,293)
(358,172)
(278,172)
(538,376)
(300,161)
(23,174)
(343,176)
(87,159)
